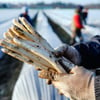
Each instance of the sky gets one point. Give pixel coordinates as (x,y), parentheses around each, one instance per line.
(50,1)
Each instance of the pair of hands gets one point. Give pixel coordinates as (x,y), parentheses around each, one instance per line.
(78,84)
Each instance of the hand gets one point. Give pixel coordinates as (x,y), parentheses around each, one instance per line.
(78,85)
(68,52)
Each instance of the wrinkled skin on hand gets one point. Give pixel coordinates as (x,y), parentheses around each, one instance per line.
(78,85)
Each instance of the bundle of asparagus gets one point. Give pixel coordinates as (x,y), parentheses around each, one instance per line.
(24,43)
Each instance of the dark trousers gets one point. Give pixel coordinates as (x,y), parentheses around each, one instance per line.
(77,32)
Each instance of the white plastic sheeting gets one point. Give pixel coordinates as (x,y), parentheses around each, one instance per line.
(6,18)
(46,31)
(64,19)
(29,86)
(64,16)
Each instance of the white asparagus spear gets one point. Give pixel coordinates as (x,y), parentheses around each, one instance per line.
(26,53)
(46,64)
(28,26)
(23,33)
(35,34)
(27,36)
(18,33)
(39,51)
(22,58)
(15,55)
(32,46)
(31,43)
(10,32)
(7,37)
(18,24)
(36,37)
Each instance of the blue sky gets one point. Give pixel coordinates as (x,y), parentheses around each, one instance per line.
(49,1)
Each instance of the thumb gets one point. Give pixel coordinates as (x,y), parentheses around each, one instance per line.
(59,51)
(73,55)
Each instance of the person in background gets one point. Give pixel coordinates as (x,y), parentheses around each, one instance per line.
(26,15)
(82,83)
(77,25)
(85,15)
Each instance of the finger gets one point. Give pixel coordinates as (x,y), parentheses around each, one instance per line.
(66,64)
(78,70)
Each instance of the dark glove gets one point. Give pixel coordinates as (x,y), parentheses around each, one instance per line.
(68,52)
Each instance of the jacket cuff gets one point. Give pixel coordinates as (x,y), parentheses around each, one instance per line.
(97,87)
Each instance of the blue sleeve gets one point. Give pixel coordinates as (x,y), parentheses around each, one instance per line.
(90,53)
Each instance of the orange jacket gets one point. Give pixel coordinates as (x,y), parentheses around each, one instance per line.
(77,21)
